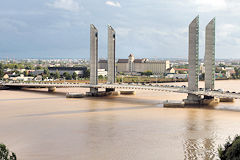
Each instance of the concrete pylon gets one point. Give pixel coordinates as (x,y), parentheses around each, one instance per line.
(93,57)
(193,62)
(193,53)
(111,55)
(209,58)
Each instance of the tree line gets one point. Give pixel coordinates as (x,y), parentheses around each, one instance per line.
(46,73)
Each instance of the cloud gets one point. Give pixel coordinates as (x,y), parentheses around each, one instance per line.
(69,5)
(124,32)
(227,31)
(211,5)
(114,4)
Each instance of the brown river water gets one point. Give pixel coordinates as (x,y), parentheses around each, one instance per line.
(38,125)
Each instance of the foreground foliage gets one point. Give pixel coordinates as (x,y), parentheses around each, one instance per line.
(230,150)
(5,154)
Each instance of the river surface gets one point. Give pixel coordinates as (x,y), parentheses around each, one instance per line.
(37,125)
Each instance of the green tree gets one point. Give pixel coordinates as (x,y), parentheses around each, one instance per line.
(223,71)
(230,150)
(25,73)
(181,72)
(221,65)
(30,74)
(147,73)
(15,66)
(182,66)
(1,70)
(46,72)
(86,74)
(100,76)
(5,154)
(57,75)
(29,67)
(38,67)
(202,76)
(17,72)
(74,76)
(67,75)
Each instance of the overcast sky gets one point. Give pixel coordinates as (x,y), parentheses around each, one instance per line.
(146,28)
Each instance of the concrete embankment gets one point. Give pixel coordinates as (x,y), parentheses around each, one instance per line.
(127,92)
(89,94)
(226,99)
(103,93)
(75,95)
(210,102)
(181,104)
(173,104)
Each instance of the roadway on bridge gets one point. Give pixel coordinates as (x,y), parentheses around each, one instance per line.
(164,88)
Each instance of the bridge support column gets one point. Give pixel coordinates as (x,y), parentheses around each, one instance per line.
(209,58)
(111,55)
(51,89)
(93,58)
(193,52)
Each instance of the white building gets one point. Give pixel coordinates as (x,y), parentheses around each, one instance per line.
(21,78)
(102,72)
(132,65)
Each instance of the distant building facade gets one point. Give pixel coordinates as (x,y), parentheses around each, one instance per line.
(103,64)
(132,65)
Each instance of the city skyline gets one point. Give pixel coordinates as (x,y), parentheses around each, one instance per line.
(54,29)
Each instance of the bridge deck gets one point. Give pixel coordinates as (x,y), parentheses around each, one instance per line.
(124,86)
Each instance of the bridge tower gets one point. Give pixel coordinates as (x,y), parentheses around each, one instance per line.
(111,57)
(209,58)
(193,53)
(93,58)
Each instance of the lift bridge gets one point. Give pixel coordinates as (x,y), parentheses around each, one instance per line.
(164,88)
(194,94)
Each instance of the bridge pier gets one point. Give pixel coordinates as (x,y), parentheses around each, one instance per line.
(199,100)
(51,89)
(93,91)
(193,99)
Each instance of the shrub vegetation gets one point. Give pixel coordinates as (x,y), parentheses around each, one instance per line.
(230,150)
(5,154)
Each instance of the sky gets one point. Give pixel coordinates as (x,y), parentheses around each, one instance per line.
(146,28)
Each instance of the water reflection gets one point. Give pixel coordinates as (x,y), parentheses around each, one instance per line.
(101,131)
(199,139)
